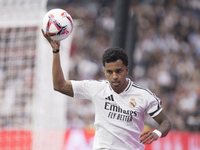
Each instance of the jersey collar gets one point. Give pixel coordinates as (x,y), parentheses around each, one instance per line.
(128,86)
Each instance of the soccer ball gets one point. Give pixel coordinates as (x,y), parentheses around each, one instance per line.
(57,24)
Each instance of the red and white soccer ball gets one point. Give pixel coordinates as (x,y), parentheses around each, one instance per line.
(58,24)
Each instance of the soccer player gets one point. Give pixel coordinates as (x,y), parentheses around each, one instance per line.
(120,104)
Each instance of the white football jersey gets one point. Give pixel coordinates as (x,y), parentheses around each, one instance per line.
(119,118)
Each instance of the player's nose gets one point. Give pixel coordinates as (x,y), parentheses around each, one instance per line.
(115,76)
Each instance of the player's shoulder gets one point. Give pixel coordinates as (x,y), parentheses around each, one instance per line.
(96,85)
(141,88)
(144,91)
(89,85)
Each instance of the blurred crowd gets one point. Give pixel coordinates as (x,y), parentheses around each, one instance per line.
(166,55)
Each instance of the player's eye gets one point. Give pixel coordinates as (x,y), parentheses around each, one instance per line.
(118,70)
(109,71)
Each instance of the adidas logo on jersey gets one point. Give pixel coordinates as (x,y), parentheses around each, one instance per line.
(110,98)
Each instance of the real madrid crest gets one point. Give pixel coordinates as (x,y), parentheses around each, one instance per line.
(132,103)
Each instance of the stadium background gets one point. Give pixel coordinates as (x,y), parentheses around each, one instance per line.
(161,37)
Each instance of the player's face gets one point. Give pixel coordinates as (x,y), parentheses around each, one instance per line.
(116,73)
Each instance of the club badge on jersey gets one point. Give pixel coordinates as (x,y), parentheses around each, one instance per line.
(132,103)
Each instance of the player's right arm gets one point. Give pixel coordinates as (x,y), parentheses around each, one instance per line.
(59,82)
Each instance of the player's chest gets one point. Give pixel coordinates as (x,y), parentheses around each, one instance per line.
(126,103)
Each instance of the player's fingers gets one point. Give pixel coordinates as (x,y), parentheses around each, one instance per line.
(144,133)
(43,33)
(150,141)
(144,136)
(46,36)
(149,137)
(54,44)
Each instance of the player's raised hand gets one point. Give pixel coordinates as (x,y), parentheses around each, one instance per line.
(148,137)
(54,44)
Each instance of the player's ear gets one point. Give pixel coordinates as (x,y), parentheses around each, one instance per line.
(104,70)
(127,69)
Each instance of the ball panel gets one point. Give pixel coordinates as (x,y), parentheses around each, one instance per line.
(58,24)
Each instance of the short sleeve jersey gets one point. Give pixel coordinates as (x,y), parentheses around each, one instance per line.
(119,118)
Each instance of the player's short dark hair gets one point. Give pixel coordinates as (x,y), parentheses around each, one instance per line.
(113,54)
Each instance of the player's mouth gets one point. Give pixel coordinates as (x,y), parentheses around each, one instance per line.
(115,83)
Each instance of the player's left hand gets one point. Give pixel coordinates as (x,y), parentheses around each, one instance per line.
(148,137)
